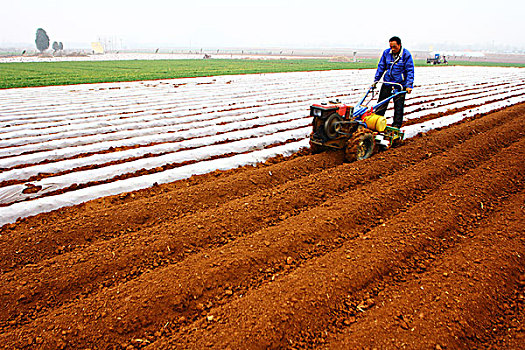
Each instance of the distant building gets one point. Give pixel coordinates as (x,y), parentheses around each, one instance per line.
(97,48)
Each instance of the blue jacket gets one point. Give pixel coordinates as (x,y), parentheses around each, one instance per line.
(401,71)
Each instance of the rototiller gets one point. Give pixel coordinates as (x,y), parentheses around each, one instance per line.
(355,129)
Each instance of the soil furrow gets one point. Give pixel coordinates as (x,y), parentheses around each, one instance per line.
(275,252)
(130,256)
(455,315)
(66,230)
(296,310)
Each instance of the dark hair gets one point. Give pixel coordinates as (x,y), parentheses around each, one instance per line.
(396,39)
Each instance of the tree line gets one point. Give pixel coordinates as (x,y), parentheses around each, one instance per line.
(42,42)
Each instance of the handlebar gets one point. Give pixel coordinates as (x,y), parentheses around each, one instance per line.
(360,109)
(386,82)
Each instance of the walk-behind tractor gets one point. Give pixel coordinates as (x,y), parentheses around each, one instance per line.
(355,129)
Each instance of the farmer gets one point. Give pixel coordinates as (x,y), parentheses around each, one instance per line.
(397,66)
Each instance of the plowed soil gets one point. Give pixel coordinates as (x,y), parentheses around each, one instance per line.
(421,246)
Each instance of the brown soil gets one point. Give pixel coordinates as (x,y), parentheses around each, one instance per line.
(420,246)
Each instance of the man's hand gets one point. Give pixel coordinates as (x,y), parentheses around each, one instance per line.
(409,90)
(374,84)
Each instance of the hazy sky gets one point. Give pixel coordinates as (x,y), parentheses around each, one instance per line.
(266,23)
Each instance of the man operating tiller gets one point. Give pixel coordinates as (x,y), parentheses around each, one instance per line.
(397,68)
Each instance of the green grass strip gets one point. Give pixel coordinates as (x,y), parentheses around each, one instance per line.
(27,74)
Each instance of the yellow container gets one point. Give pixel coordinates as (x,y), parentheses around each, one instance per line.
(375,122)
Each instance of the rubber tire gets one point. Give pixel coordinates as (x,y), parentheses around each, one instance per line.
(360,146)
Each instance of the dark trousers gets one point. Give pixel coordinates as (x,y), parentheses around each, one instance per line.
(399,104)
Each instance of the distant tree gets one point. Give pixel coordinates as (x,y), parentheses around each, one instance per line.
(60,46)
(55,46)
(42,40)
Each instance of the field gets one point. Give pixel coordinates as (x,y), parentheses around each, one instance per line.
(13,75)
(420,246)
(65,145)
(62,73)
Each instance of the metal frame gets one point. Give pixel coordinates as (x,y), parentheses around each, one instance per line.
(360,109)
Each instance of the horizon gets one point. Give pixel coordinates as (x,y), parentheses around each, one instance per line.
(163,49)
(286,24)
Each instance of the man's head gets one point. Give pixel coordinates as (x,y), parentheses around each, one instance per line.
(395,44)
